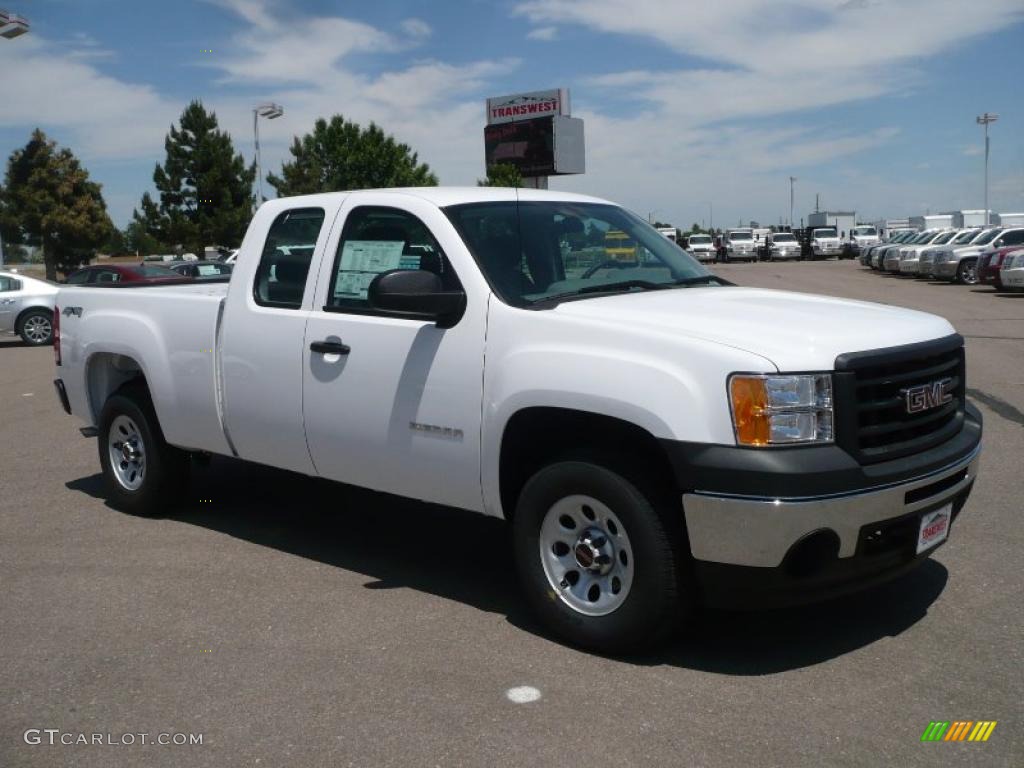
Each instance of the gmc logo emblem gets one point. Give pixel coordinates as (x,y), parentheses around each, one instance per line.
(926,396)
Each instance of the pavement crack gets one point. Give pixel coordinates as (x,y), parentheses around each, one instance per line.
(998,405)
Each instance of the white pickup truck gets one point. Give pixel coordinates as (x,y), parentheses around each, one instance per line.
(656,437)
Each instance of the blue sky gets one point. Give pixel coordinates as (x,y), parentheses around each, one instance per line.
(869,103)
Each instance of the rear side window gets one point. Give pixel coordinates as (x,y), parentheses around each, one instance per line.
(79,277)
(284,265)
(9,284)
(107,276)
(377,240)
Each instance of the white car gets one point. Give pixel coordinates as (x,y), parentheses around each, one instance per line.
(910,255)
(654,435)
(701,247)
(26,307)
(782,245)
(1011,274)
(825,243)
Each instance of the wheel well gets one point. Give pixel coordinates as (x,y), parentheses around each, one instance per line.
(106,374)
(24,312)
(535,437)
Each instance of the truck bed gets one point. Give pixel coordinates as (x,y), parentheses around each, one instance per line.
(169,332)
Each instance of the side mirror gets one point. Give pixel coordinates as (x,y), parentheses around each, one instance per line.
(417,294)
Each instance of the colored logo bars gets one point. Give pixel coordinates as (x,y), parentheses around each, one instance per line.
(958,730)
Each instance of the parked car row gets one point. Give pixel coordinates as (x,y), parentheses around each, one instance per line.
(966,256)
(751,244)
(26,303)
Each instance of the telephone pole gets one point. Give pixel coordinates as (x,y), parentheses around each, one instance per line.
(792,179)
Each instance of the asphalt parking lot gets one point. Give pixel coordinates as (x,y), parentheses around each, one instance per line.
(292,622)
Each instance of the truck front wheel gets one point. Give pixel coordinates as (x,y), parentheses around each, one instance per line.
(142,473)
(599,565)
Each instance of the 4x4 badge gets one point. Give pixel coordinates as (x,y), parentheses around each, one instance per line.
(926,396)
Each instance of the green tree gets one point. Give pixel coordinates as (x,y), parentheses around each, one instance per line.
(205,188)
(501,175)
(341,155)
(140,241)
(695,228)
(49,201)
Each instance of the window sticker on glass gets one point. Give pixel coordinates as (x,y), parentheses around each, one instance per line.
(205,270)
(363,260)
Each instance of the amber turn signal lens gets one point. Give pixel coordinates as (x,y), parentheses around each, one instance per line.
(750,410)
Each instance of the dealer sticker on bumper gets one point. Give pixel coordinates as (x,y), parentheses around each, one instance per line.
(934,528)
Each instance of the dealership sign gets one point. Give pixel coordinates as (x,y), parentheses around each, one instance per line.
(526,106)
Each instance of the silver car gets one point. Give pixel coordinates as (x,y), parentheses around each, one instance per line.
(960,264)
(911,255)
(26,307)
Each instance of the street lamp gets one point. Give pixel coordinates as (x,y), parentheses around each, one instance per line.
(985,119)
(792,179)
(12,25)
(270,111)
(711,215)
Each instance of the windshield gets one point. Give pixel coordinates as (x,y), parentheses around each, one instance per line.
(534,253)
(870,231)
(783,239)
(923,237)
(825,233)
(987,238)
(943,239)
(700,239)
(740,236)
(966,237)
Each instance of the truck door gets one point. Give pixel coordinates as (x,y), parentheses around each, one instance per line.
(393,403)
(262,332)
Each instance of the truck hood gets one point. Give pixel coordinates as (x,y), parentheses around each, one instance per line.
(794,331)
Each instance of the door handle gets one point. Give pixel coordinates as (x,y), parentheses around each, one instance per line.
(330,348)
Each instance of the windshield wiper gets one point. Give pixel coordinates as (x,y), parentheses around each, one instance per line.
(685,282)
(623,285)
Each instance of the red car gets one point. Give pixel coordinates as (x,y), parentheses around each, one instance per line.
(105,274)
(990,263)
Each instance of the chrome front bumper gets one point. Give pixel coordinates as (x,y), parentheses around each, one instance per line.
(743,530)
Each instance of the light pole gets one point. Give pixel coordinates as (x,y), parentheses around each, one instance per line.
(985,119)
(792,179)
(11,26)
(711,215)
(270,111)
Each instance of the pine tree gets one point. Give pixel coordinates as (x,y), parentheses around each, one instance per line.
(49,201)
(501,175)
(205,189)
(341,155)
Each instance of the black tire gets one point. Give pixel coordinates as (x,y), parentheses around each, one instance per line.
(967,272)
(165,478)
(36,327)
(659,597)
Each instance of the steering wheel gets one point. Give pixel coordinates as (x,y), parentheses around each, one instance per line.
(609,264)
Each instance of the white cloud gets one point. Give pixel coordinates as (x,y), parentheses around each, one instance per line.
(545,34)
(417,29)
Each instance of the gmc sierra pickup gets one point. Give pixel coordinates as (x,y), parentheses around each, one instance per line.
(655,436)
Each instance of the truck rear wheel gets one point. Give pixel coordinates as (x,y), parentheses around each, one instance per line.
(598,564)
(142,473)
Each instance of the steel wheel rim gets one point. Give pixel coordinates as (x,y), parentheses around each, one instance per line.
(586,555)
(127,453)
(37,328)
(970,273)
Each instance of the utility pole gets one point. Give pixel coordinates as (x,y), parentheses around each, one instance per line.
(792,179)
(270,111)
(11,26)
(984,120)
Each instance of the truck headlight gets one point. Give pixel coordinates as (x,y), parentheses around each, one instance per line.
(781,409)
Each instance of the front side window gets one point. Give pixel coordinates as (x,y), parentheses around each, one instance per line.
(79,277)
(281,275)
(1013,237)
(9,284)
(538,253)
(107,276)
(377,240)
